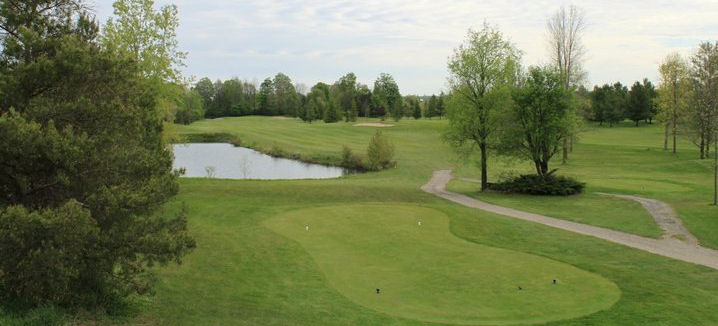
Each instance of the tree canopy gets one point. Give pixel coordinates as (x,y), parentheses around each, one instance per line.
(540,118)
(482,72)
(673,94)
(84,164)
(387,96)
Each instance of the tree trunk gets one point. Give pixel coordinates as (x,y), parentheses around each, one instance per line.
(675,131)
(703,146)
(484,173)
(564,158)
(665,137)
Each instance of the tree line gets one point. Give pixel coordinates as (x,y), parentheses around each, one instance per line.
(613,103)
(346,99)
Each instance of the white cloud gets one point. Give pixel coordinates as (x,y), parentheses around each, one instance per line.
(321,40)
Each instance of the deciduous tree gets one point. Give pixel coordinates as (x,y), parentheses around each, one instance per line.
(565,30)
(386,95)
(285,95)
(673,95)
(482,71)
(540,118)
(703,111)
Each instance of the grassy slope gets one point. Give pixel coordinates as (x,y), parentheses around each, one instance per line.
(244,274)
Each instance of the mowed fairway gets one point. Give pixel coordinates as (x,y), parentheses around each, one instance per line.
(244,273)
(426,273)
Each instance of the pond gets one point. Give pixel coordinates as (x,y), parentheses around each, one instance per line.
(221,160)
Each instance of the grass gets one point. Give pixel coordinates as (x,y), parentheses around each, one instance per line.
(426,273)
(631,160)
(588,208)
(244,273)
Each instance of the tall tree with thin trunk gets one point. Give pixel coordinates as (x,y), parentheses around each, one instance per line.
(673,95)
(565,29)
(704,107)
(482,70)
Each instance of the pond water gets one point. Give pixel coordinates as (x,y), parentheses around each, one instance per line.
(221,160)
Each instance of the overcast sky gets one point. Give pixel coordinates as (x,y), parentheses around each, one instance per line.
(322,40)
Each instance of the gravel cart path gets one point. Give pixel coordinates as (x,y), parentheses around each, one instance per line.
(670,246)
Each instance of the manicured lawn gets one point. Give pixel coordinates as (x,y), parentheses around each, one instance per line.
(631,160)
(588,208)
(245,273)
(426,273)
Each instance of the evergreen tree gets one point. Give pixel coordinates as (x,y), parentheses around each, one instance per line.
(416,109)
(84,163)
(640,101)
(441,106)
(431,107)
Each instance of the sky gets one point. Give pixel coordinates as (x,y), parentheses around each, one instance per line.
(314,41)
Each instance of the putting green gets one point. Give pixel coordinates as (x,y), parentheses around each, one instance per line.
(425,273)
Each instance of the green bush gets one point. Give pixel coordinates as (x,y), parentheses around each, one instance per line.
(380,153)
(44,254)
(352,161)
(533,184)
(218,137)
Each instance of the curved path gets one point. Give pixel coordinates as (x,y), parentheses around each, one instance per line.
(668,246)
(665,217)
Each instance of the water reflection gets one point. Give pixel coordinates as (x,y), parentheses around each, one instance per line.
(220,160)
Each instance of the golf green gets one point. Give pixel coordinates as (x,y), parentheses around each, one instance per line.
(425,273)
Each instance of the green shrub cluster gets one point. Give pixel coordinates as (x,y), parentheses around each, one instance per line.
(380,153)
(45,253)
(219,137)
(351,160)
(533,184)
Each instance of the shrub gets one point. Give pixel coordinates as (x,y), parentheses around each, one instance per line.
(44,254)
(537,185)
(219,137)
(380,153)
(352,161)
